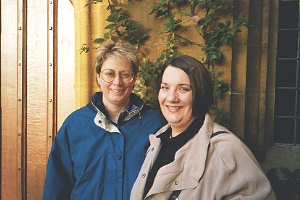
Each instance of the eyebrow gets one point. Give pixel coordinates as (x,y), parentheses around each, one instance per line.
(124,70)
(182,84)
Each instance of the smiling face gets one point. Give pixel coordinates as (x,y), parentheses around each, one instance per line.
(176,99)
(116,93)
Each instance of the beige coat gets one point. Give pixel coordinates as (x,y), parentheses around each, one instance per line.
(206,169)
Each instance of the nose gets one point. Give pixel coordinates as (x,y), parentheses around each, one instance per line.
(172,96)
(117,80)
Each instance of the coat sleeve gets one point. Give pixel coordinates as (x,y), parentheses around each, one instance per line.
(59,180)
(236,174)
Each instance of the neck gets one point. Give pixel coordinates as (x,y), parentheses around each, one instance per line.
(176,132)
(178,129)
(114,111)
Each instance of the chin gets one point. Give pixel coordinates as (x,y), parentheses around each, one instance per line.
(117,100)
(172,120)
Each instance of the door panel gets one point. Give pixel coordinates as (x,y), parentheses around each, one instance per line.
(37,90)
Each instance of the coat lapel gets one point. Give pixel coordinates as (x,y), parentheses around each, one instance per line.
(185,171)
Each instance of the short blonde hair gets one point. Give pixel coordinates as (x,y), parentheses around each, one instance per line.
(119,50)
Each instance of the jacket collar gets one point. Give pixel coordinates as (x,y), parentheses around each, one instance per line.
(101,120)
(189,164)
(135,106)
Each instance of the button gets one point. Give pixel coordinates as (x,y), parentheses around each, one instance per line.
(144,175)
(119,157)
(150,149)
(176,182)
(99,121)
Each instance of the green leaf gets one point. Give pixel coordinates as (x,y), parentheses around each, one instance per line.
(98,41)
(92,2)
(110,26)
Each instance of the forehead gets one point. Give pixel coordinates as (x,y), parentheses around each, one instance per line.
(174,75)
(117,64)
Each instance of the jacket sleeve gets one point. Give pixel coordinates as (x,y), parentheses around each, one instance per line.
(59,180)
(237,174)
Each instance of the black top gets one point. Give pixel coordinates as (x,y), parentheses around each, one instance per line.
(169,147)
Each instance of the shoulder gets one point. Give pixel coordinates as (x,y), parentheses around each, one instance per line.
(147,107)
(150,109)
(223,136)
(152,113)
(78,118)
(80,114)
(231,151)
(226,142)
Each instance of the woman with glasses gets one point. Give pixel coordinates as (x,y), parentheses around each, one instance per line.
(193,158)
(98,151)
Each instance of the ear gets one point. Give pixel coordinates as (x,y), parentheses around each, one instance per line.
(98,80)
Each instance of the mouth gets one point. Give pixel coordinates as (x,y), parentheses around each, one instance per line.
(174,108)
(117,90)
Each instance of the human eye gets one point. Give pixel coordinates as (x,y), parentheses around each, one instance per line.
(125,74)
(184,89)
(109,73)
(163,87)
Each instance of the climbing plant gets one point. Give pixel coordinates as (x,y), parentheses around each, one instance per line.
(207,19)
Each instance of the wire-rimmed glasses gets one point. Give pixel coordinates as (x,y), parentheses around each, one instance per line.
(108,75)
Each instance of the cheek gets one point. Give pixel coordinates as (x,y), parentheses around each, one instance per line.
(161,97)
(188,98)
(189,102)
(130,86)
(102,83)
(99,80)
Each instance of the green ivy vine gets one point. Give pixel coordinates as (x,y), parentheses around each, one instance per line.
(211,26)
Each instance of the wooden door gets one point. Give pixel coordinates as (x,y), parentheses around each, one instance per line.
(31,71)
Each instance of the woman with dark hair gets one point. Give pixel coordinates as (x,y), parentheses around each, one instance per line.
(193,158)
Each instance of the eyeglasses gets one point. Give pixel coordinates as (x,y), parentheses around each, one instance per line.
(108,75)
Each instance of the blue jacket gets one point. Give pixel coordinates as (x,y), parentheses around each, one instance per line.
(92,158)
